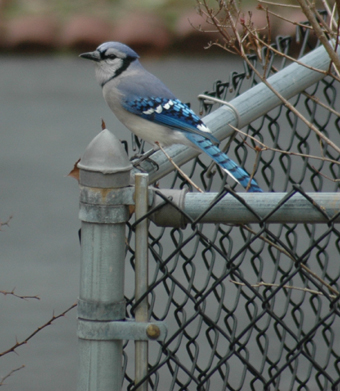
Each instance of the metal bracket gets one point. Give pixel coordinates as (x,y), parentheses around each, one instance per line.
(121,330)
(112,197)
(93,310)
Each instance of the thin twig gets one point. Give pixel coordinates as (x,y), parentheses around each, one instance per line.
(10,374)
(331,14)
(293,109)
(315,99)
(18,296)
(287,103)
(302,265)
(320,34)
(266,64)
(278,4)
(318,101)
(256,162)
(322,22)
(239,48)
(271,48)
(267,284)
(266,148)
(326,176)
(284,19)
(332,21)
(49,322)
(185,176)
(5,222)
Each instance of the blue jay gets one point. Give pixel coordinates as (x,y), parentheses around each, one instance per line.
(151,111)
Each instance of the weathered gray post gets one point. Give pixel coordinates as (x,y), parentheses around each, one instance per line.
(141,277)
(104,173)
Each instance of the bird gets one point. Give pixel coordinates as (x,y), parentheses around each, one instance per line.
(151,111)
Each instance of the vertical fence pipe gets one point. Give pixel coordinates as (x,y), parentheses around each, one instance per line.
(104,169)
(141,276)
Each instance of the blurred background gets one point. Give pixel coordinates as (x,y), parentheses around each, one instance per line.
(50,109)
(154,26)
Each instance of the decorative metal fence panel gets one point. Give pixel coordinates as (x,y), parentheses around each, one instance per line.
(250,307)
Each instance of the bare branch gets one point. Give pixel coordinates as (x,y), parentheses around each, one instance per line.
(10,374)
(18,296)
(315,99)
(267,148)
(302,265)
(289,105)
(184,175)
(320,34)
(278,4)
(293,109)
(326,176)
(239,48)
(239,45)
(283,18)
(48,323)
(267,44)
(5,222)
(318,101)
(322,22)
(326,73)
(267,284)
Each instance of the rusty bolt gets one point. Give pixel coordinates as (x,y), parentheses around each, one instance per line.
(153,331)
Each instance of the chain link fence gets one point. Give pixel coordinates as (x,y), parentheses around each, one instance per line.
(250,307)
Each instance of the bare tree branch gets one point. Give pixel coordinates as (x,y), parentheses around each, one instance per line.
(302,265)
(5,222)
(278,4)
(259,7)
(10,374)
(267,148)
(48,323)
(271,48)
(267,284)
(18,296)
(185,176)
(319,33)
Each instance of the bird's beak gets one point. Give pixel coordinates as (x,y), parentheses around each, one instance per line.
(94,56)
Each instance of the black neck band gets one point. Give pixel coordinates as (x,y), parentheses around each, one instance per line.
(126,62)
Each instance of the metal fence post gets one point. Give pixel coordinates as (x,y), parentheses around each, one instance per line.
(104,171)
(141,276)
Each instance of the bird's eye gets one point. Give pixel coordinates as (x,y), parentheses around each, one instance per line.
(111,57)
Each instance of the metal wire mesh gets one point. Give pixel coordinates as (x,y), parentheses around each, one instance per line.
(251,307)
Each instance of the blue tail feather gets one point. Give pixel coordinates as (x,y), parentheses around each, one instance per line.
(234,170)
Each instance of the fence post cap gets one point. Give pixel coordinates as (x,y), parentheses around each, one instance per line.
(104,161)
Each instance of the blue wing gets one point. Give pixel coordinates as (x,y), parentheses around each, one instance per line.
(169,112)
(175,114)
